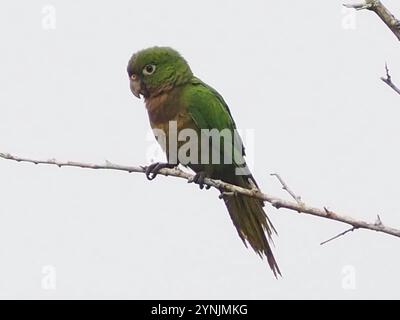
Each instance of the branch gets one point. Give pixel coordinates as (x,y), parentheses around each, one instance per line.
(286,188)
(387,17)
(388,80)
(339,235)
(225,187)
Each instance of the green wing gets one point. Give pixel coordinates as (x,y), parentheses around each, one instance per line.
(209,111)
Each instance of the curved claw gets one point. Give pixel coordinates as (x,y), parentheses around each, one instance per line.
(153,169)
(199,179)
(150,171)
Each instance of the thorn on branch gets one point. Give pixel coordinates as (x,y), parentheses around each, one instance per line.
(378,221)
(388,77)
(327,210)
(388,80)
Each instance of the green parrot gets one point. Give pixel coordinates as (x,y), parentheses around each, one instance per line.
(173,94)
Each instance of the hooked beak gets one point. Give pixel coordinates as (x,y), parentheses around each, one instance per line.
(136,86)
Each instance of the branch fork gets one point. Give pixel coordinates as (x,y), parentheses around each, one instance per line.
(388,80)
(386,16)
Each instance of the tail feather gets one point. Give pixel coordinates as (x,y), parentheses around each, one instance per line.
(251,222)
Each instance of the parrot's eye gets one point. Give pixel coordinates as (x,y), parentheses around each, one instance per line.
(149,69)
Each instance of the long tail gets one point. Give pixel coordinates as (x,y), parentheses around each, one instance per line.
(251,221)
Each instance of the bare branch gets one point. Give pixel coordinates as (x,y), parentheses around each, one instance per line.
(388,80)
(339,235)
(229,189)
(387,17)
(359,6)
(286,188)
(378,222)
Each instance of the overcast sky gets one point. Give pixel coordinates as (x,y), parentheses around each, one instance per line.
(304,75)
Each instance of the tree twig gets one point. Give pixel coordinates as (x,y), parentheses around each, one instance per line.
(220,185)
(388,80)
(387,17)
(286,188)
(339,235)
(378,222)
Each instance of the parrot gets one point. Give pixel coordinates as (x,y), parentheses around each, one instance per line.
(171,92)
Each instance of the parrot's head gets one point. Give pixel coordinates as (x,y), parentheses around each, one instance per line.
(156,70)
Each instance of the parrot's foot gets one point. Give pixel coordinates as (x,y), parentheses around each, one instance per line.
(199,179)
(153,169)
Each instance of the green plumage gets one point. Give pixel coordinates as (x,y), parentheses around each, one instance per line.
(173,93)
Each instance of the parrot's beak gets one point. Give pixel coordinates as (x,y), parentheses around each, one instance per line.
(136,86)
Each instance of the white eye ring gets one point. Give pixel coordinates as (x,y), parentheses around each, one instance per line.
(149,69)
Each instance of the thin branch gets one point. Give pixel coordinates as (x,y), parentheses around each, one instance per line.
(388,80)
(229,188)
(359,6)
(387,17)
(286,188)
(378,222)
(339,235)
